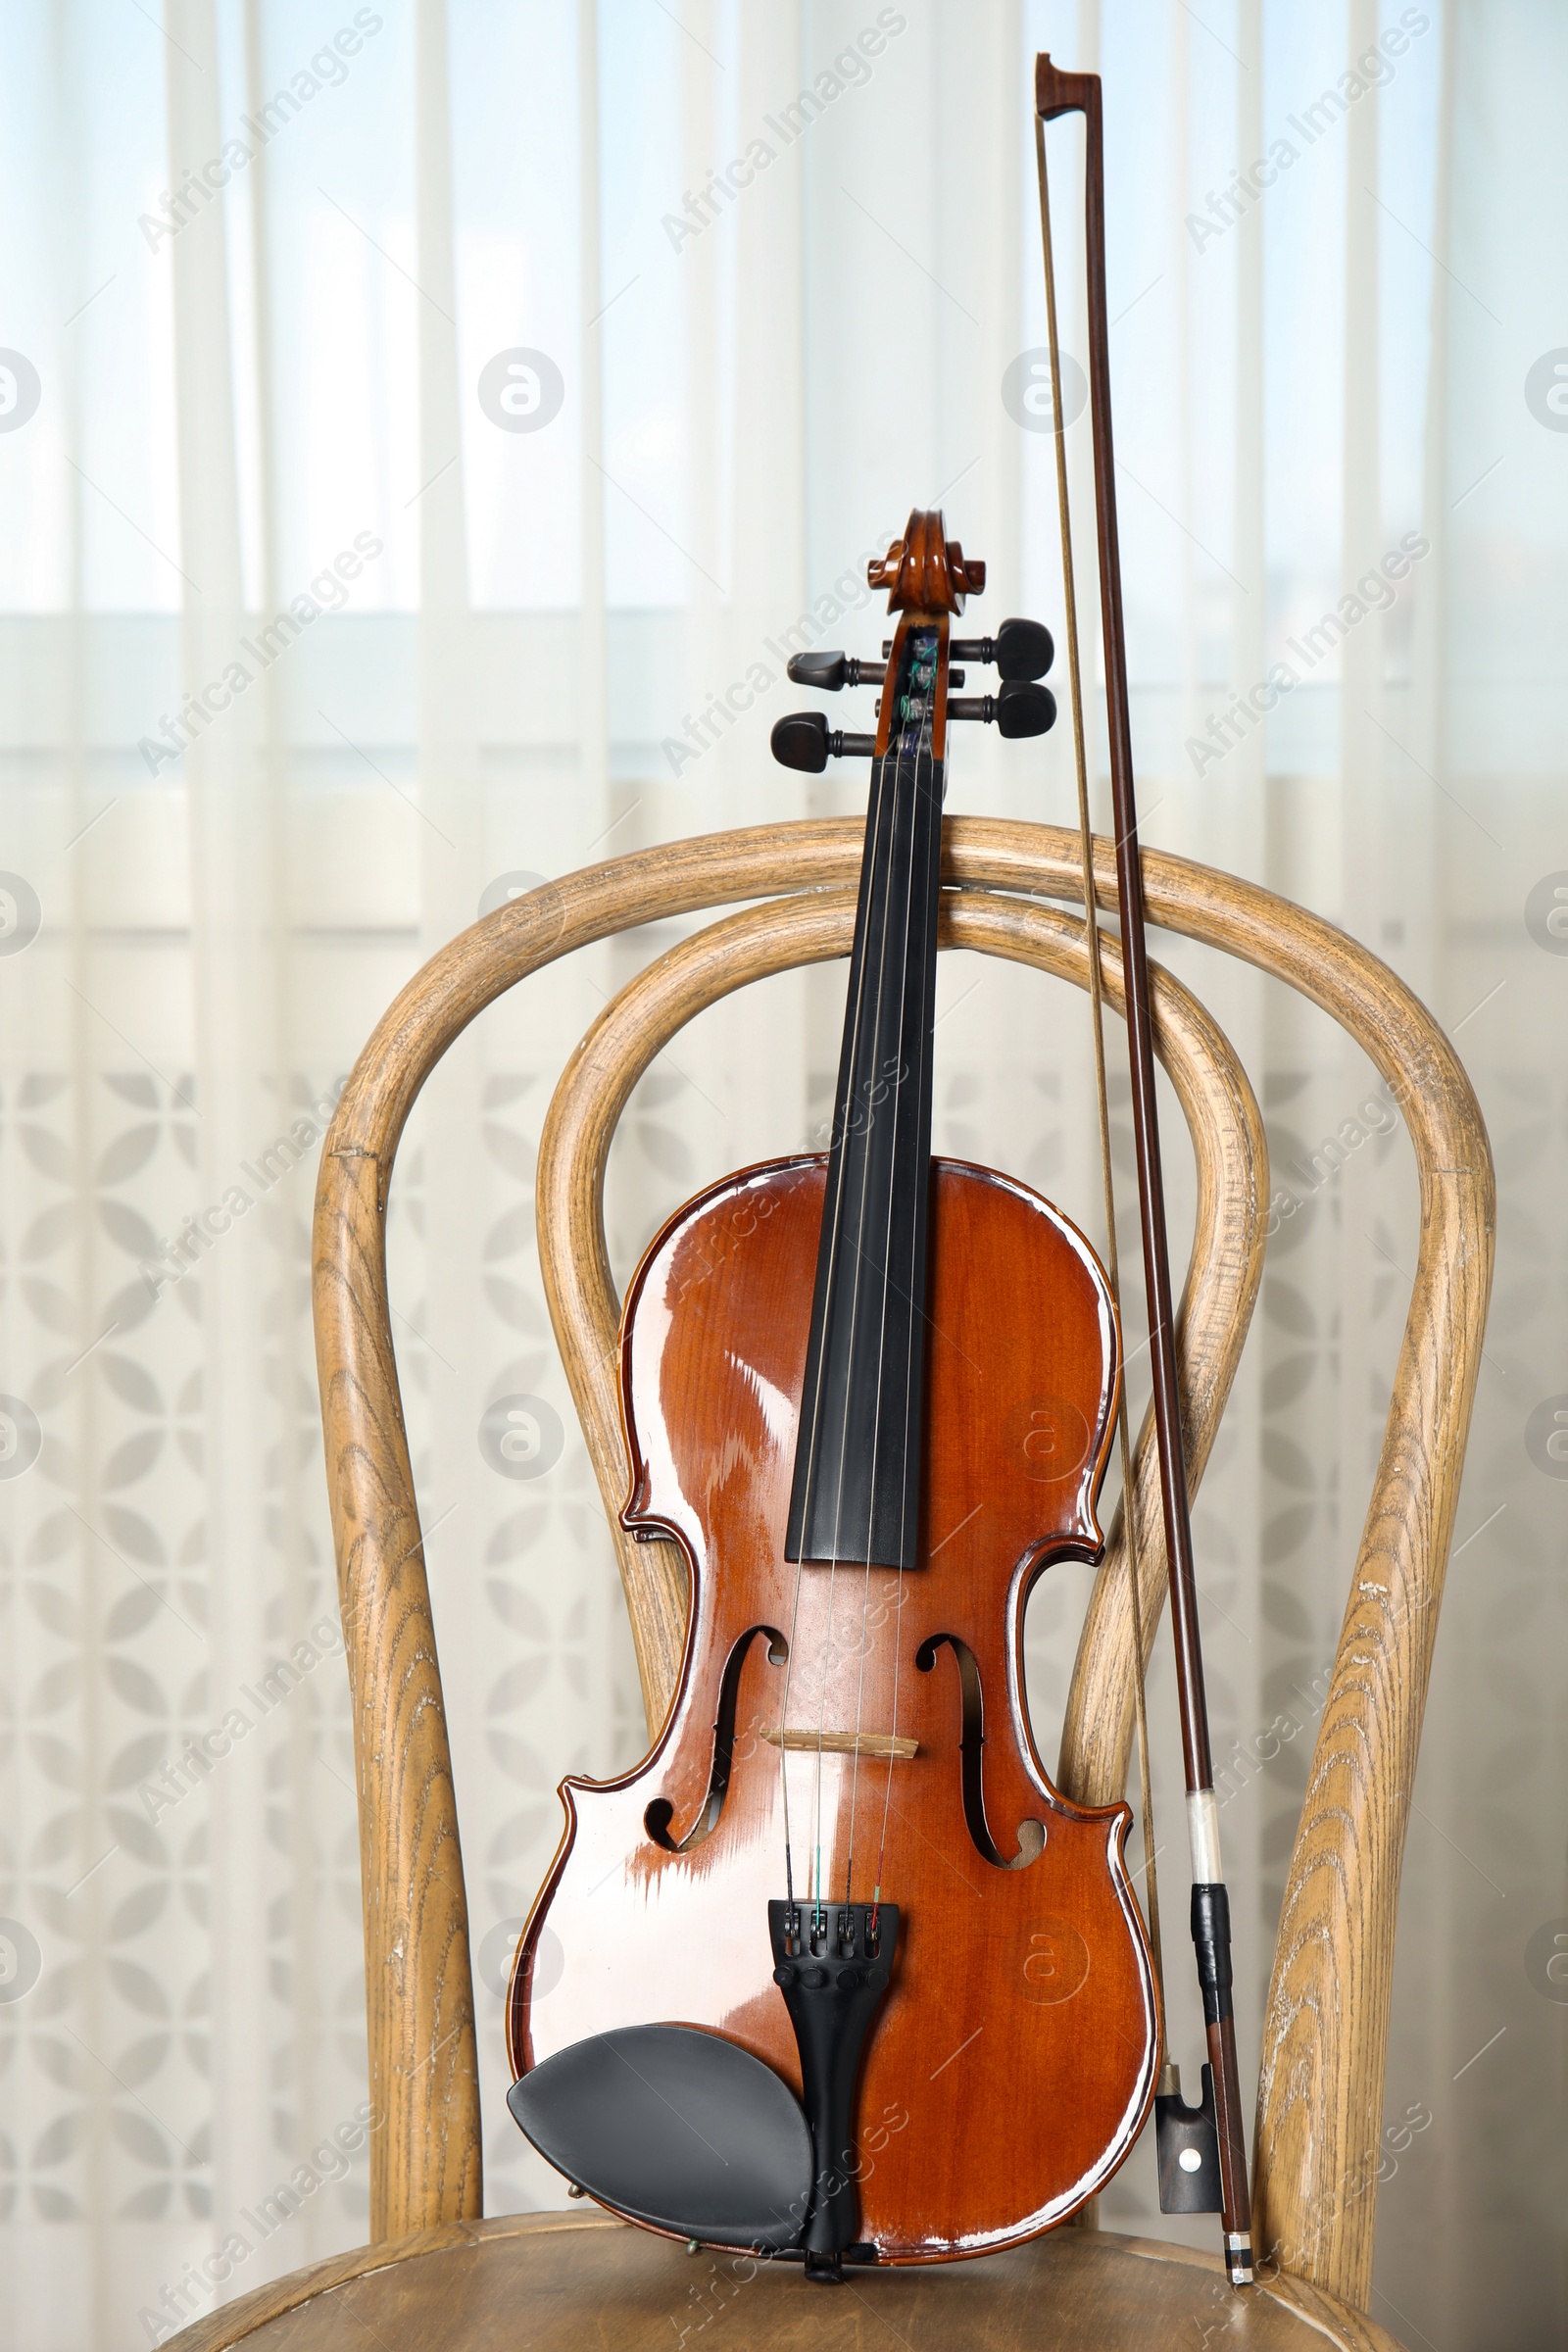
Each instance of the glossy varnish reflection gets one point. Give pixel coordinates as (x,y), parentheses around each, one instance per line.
(1013,2059)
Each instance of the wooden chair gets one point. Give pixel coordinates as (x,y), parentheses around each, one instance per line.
(440,2277)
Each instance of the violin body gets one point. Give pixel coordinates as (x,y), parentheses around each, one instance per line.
(1011,2062)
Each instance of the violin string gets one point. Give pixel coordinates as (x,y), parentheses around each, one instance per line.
(922,752)
(1098,1029)
(835,1228)
(887,1793)
(855,1310)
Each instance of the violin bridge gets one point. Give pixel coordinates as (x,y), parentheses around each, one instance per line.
(887,1746)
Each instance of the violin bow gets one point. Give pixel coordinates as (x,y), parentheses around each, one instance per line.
(1057,93)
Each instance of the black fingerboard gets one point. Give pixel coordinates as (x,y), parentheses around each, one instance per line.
(857,1488)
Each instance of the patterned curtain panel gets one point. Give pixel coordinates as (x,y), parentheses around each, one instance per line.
(426,432)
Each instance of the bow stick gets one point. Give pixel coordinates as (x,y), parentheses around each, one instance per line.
(1055,94)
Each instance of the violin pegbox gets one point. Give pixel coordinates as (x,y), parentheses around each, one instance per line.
(927,572)
(924,574)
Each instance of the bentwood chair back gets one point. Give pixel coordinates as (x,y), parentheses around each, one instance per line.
(439,2278)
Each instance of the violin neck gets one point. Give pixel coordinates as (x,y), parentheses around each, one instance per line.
(856,1488)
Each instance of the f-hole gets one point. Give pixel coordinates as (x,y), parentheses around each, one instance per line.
(1031,1834)
(657,1817)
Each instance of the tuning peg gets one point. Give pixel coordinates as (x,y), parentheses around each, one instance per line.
(1024,709)
(1016,708)
(806,741)
(830,671)
(1020,648)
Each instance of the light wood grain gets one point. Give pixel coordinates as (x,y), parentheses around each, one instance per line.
(425,2159)
(557,2282)
(1326,2032)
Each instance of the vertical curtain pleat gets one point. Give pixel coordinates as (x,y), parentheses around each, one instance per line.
(238,1103)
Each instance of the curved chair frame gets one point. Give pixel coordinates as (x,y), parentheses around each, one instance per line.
(1326,2028)
(1224,1271)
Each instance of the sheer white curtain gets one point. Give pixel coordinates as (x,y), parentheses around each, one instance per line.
(422,429)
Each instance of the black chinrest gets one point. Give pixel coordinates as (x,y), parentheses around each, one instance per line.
(674,2128)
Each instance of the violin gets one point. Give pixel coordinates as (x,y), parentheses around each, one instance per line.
(842,1976)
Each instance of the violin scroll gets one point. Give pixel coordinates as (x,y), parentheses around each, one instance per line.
(925,572)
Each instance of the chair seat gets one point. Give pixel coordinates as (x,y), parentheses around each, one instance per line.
(556,2282)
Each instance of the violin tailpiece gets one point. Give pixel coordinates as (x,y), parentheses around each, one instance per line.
(832,1964)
